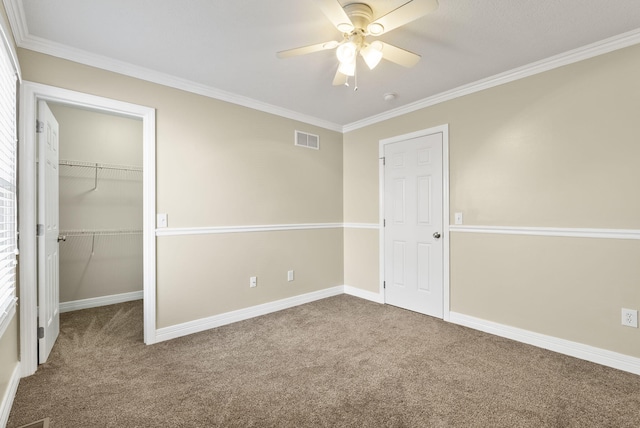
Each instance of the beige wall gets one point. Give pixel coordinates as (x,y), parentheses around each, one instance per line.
(559,149)
(92,136)
(361,256)
(220,164)
(215,278)
(571,288)
(115,265)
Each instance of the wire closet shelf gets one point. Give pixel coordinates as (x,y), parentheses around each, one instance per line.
(99,166)
(103,232)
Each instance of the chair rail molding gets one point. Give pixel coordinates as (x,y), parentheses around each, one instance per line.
(550,231)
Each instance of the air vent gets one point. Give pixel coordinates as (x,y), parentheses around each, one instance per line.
(307,140)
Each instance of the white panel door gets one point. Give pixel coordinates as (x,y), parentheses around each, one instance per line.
(48,232)
(413,213)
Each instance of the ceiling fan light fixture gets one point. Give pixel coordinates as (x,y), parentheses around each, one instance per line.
(355,20)
(375,29)
(347,52)
(372,54)
(347,68)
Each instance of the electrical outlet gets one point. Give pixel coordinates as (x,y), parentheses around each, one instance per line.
(253,281)
(630,317)
(290,276)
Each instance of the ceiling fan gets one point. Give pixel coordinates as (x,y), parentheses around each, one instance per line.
(355,22)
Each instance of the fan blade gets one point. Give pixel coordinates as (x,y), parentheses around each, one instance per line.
(404,14)
(339,79)
(307,49)
(336,14)
(399,55)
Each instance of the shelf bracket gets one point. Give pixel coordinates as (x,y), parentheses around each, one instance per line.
(95,183)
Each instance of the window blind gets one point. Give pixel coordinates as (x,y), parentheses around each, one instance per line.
(8,189)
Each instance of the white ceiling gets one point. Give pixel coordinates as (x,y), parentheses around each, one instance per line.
(229,47)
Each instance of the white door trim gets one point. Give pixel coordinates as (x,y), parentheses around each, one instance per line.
(30,94)
(444,129)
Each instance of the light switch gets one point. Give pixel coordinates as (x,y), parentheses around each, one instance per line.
(162,220)
(458,218)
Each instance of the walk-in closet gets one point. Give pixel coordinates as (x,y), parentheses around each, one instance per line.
(100,207)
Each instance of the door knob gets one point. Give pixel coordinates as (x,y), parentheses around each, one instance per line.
(62,238)
(436,235)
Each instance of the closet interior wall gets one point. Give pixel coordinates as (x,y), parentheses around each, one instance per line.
(100,204)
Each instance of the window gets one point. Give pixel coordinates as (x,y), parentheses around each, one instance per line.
(8,188)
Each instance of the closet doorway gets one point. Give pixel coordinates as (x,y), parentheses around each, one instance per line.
(100,208)
(107,208)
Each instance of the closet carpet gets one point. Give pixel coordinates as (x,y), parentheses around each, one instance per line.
(338,362)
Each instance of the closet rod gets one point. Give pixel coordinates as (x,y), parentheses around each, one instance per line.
(86,232)
(99,165)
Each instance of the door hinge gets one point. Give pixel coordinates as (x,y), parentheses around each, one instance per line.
(39,126)
(40,332)
(384,222)
(384,284)
(40,229)
(384,161)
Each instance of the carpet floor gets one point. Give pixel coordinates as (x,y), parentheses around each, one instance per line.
(338,362)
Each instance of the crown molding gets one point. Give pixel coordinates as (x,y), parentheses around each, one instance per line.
(17,21)
(585,52)
(24,40)
(9,43)
(77,55)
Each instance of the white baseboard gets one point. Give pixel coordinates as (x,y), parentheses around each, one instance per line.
(363,294)
(562,346)
(573,349)
(203,324)
(9,395)
(100,301)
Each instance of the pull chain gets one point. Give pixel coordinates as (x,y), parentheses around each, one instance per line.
(355,78)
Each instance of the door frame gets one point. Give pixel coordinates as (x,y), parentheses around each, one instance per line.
(30,94)
(444,129)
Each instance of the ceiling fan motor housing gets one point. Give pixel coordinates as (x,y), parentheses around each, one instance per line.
(360,15)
